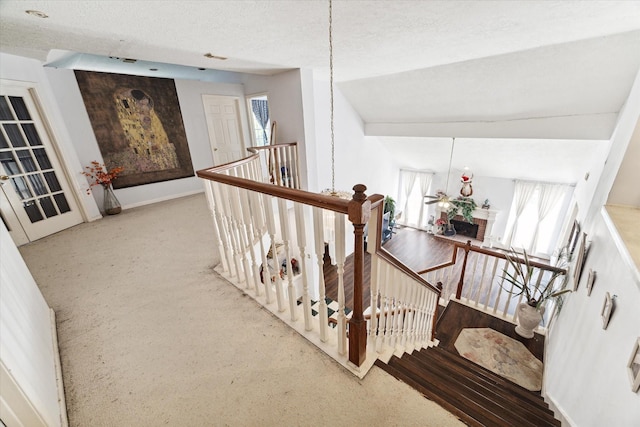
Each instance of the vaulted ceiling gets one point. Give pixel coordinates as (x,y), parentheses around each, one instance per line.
(553,71)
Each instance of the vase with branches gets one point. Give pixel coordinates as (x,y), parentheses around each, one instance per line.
(519,274)
(98,174)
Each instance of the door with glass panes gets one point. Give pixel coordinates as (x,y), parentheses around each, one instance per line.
(35,198)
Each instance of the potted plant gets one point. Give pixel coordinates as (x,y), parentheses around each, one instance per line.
(519,273)
(464,205)
(390,206)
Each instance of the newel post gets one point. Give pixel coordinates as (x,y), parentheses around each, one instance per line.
(359,213)
(467,247)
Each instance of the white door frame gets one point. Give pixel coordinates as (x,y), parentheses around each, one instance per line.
(60,167)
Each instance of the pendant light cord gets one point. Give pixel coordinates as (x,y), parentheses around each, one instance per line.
(449,171)
(333,149)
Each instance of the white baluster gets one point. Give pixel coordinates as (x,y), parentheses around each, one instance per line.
(318,227)
(261,229)
(208,190)
(340,258)
(373,302)
(271,227)
(301,234)
(286,237)
(232,228)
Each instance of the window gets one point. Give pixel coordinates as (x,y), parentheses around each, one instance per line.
(260,122)
(413,186)
(535,216)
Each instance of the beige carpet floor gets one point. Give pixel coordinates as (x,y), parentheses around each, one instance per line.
(150,335)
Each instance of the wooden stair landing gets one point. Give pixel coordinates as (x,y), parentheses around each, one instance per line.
(474,394)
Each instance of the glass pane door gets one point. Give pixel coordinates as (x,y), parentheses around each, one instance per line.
(29,165)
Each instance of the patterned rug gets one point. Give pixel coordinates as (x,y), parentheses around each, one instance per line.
(501,355)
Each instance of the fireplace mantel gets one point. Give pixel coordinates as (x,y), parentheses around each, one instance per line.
(488,215)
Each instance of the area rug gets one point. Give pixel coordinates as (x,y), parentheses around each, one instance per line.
(501,355)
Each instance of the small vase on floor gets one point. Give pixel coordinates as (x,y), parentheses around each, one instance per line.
(111,205)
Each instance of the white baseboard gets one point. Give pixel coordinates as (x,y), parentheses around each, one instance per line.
(64,420)
(162,199)
(565,420)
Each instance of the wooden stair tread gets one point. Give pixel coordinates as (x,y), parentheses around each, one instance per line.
(510,390)
(472,393)
(485,381)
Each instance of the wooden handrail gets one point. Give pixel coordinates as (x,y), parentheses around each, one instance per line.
(270,147)
(493,253)
(358,211)
(301,196)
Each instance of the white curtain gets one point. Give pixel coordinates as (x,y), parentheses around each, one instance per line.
(549,196)
(425,182)
(521,195)
(408,178)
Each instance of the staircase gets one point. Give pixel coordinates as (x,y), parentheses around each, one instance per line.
(475,395)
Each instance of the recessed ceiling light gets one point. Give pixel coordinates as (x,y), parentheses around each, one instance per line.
(37,13)
(212,56)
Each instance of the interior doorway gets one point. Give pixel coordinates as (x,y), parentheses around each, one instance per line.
(35,197)
(224,124)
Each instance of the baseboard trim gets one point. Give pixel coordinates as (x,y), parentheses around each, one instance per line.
(162,199)
(62,403)
(557,411)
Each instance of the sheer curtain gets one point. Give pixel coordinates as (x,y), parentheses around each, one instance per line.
(425,182)
(414,212)
(407,179)
(522,194)
(549,196)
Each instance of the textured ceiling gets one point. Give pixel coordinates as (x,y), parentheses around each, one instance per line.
(398,62)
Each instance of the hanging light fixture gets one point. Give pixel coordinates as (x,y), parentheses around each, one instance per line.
(442,198)
(332,191)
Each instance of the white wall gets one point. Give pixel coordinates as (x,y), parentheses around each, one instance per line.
(289,99)
(585,366)
(358,160)
(625,190)
(29,388)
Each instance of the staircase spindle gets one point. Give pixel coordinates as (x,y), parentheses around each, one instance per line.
(285,229)
(318,227)
(301,233)
(340,259)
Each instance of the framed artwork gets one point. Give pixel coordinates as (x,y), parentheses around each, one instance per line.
(607,309)
(590,281)
(580,257)
(633,367)
(573,237)
(138,125)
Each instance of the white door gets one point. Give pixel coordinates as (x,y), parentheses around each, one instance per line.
(225,129)
(35,192)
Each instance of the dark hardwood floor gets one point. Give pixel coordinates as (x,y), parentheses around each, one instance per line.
(417,249)
(474,394)
(477,396)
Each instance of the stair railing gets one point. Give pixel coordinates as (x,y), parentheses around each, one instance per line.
(476,279)
(269,236)
(280,161)
(404,306)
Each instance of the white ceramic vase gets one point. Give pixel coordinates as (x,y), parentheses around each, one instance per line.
(528,319)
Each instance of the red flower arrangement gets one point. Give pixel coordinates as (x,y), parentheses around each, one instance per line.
(99,175)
